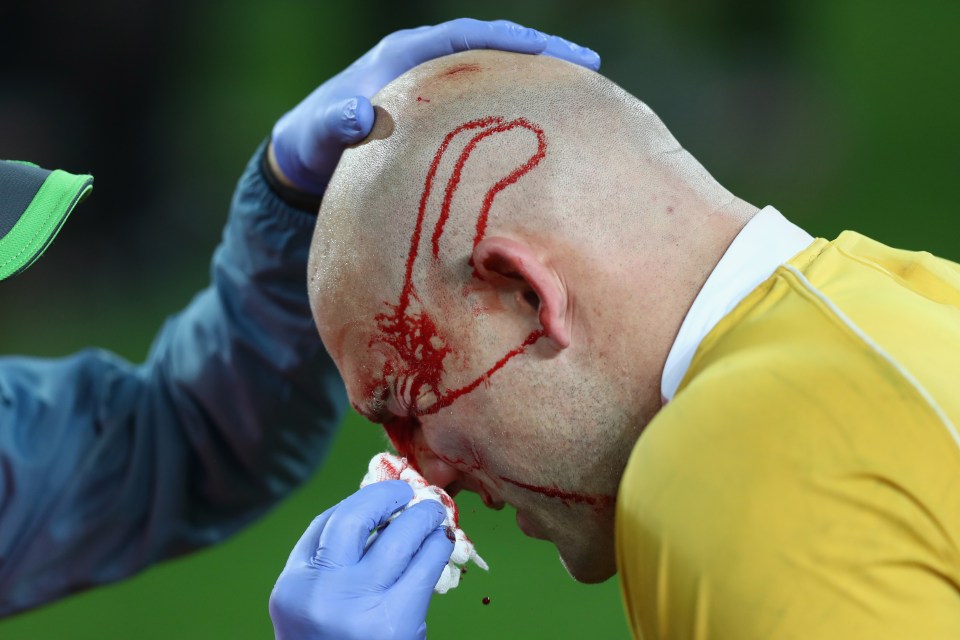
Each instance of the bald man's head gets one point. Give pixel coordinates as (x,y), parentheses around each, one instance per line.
(499,271)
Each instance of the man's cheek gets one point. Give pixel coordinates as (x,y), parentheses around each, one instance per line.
(438,472)
(453,443)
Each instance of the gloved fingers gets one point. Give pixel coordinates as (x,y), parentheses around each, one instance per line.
(392,551)
(348,121)
(306,547)
(406,49)
(466,33)
(510,36)
(343,538)
(563,49)
(417,582)
(415,46)
(311,159)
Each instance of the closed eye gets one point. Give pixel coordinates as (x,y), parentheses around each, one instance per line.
(375,409)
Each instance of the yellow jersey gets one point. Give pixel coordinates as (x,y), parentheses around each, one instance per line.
(804,482)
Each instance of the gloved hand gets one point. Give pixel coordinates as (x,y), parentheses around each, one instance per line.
(331,589)
(307,141)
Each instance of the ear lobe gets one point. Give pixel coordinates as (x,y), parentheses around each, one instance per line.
(510,265)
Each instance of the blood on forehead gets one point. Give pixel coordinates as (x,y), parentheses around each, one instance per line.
(417,347)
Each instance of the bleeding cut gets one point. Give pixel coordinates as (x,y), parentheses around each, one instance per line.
(386,466)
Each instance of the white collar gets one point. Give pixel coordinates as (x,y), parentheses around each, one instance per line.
(765,243)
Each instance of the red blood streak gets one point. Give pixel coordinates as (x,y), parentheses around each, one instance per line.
(450,396)
(425,196)
(502,184)
(419,99)
(418,345)
(391,470)
(597,501)
(450,504)
(460,68)
(472,465)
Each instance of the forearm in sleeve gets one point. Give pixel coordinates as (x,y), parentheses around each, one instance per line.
(106,467)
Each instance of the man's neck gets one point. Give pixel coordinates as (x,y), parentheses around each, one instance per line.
(767,241)
(662,302)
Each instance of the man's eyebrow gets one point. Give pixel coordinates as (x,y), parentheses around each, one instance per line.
(374,407)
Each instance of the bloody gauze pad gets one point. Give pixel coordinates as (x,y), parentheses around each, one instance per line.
(386,466)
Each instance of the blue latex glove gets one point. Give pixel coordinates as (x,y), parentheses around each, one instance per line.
(331,588)
(307,141)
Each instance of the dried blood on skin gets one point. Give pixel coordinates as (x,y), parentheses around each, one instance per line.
(422,99)
(597,501)
(460,68)
(407,328)
(476,464)
(462,463)
(499,186)
(567,497)
(420,349)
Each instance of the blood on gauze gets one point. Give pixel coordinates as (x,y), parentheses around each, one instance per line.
(450,504)
(391,470)
(384,466)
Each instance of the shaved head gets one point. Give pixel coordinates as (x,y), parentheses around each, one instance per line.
(607,156)
(499,271)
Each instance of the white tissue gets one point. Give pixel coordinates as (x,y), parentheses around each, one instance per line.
(386,466)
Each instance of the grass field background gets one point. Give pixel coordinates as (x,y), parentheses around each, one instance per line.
(841,114)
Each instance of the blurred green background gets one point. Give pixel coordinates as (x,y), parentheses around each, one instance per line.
(840,113)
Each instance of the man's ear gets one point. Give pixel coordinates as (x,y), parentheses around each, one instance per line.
(512,265)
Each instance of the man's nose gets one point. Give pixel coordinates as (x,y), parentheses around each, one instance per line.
(438,472)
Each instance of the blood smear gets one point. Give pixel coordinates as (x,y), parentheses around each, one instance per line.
(411,332)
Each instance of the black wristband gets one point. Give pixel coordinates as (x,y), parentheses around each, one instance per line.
(293,197)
